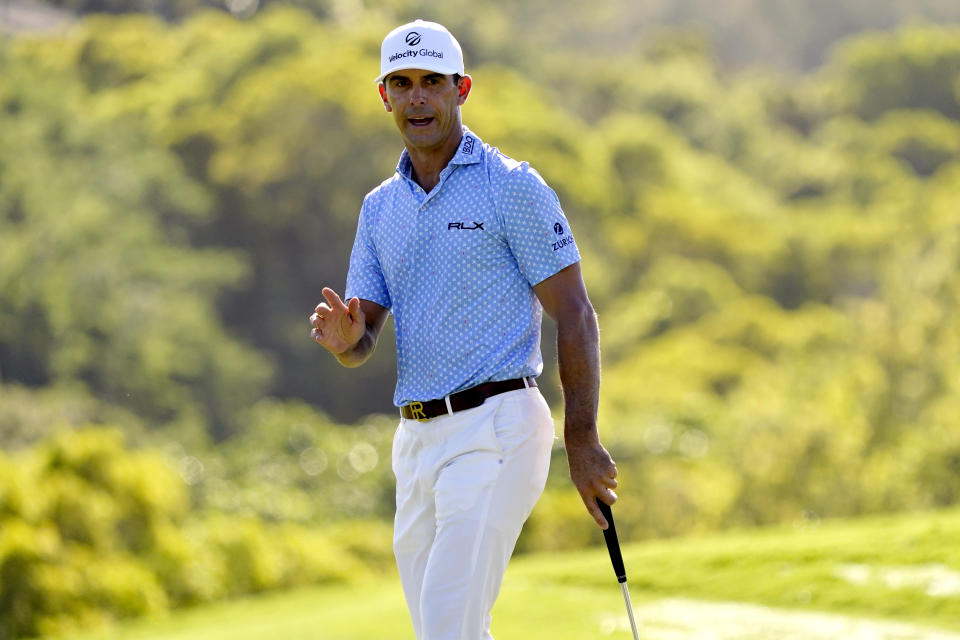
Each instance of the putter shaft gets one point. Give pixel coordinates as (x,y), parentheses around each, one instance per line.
(626,601)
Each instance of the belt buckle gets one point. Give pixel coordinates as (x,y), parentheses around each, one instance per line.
(416,408)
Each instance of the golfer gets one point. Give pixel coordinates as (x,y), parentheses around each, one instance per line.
(465,247)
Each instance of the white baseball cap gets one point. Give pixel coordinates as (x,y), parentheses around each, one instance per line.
(420,45)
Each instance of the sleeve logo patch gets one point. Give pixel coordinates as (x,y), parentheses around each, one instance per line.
(562,242)
(558,228)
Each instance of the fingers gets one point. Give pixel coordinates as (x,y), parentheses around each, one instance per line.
(322,313)
(609,478)
(333,306)
(337,325)
(353,309)
(334,300)
(598,489)
(594,473)
(320,316)
(606,492)
(590,502)
(595,512)
(609,497)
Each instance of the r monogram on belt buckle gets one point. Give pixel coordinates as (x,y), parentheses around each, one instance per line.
(416,408)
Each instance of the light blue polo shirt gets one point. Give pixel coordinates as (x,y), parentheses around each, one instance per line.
(455,267)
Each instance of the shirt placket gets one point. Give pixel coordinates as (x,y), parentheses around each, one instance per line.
(423,281)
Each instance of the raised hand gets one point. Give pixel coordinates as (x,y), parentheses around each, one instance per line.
(338,326)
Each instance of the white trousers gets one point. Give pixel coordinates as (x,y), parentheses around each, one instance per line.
(466,483)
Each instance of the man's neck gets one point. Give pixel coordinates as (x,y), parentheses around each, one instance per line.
(427,165)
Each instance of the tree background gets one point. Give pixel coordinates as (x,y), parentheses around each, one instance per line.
(765,195)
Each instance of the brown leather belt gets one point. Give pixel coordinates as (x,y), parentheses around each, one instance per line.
(466,399)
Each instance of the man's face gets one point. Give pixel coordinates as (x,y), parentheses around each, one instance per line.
(425,106)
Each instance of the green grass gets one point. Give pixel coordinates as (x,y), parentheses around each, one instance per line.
(793,568)
(567,596)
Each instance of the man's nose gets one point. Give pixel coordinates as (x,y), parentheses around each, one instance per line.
(417,95)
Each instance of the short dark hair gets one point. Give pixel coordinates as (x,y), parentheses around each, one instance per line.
(456,78)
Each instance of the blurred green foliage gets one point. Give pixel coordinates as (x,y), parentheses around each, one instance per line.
(232,136)
(741,32)
(774,260)
(92,531)
(100,284)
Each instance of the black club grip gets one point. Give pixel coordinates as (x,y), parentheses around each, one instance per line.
(613,544)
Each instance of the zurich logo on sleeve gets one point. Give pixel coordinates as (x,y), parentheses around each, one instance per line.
(564,241)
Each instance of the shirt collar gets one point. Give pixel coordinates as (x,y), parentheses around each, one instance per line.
(467,153)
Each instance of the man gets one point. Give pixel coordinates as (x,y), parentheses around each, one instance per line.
(465,247)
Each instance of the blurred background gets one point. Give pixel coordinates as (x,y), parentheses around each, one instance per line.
(766,196)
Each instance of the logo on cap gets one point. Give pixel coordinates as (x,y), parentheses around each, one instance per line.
(413,38)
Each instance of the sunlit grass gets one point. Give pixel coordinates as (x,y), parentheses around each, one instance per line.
(840,567)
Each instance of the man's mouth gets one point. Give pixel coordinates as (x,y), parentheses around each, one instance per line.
(422,121)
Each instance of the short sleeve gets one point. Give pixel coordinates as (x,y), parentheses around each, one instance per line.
(365,277)
(534,225)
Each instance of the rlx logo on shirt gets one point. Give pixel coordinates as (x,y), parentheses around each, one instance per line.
(463,226)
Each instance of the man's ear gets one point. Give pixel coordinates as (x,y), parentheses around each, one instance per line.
(383,96)
(463,87)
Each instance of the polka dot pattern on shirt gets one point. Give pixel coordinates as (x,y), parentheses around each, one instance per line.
(456,268)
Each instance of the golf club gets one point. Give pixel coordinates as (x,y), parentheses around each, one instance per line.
(616,558)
